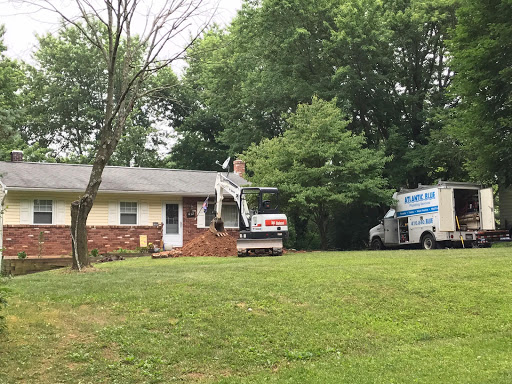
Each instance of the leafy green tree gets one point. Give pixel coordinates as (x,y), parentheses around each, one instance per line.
(196,130)
(65,96)
(257,71)
(12,79)
(386,62)
(482,60)
(319,166)
(421,76)
(65,103)
(198,145)
(363,57)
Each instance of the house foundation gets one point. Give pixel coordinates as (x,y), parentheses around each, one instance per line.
(55,240)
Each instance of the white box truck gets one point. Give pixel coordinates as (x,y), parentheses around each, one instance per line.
(446,214)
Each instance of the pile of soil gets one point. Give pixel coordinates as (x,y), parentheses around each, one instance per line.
(206,244)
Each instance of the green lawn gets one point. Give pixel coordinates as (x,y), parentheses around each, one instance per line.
(442,316)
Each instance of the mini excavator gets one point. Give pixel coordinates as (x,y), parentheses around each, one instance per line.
(262,227)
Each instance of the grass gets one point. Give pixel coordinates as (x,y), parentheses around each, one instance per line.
(442,316)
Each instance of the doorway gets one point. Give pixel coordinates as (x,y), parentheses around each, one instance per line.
(172,217)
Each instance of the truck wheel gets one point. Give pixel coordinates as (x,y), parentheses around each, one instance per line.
(377,244)
(428,242)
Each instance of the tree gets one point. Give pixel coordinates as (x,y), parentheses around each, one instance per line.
(12,80)
(111,30)
(421,76)
(482,60)
(65,95)
(319,166)
(386,62)
(268,60)
(65,103)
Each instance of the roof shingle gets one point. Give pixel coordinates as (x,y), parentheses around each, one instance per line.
(74,177)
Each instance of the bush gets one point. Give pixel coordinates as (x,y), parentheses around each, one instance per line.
(94,252)
(22,255)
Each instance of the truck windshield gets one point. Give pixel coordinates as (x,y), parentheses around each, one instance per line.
(391,213)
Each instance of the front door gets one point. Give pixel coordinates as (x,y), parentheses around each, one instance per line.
(173,224)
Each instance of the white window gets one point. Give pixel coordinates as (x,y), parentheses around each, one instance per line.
(43,212)
(128,213)
(229,215)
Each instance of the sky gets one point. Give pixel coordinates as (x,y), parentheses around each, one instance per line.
(22,23)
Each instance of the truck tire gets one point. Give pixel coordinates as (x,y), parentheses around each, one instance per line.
(376,244)
(428,242)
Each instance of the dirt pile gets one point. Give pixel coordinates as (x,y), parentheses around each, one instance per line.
(206,244)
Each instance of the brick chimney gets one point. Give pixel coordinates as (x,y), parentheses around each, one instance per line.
(239,167)
(16,156)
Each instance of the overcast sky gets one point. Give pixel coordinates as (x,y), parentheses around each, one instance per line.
(22,23)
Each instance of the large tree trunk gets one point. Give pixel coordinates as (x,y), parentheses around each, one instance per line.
(79,212)
(80,208)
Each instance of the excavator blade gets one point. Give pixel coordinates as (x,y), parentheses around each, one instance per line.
(217,227)
(247,247)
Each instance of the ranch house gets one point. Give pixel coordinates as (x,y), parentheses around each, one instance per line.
(165,205)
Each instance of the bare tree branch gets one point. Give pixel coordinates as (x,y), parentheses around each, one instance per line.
(131,58)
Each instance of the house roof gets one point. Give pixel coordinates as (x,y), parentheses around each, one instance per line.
(74,178)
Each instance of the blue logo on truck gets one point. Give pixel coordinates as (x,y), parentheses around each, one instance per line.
(417,211)
(420,197)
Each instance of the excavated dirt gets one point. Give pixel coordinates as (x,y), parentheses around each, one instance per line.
(206,244)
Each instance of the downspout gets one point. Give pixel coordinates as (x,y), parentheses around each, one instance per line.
(3,192)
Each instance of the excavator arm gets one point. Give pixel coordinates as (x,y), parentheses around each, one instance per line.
(223,184)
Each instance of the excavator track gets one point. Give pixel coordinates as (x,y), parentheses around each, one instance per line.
(259,247)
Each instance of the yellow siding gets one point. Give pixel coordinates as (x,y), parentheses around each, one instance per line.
(99,213)
(13,199)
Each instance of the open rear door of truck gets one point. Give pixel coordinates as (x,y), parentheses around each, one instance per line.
(487,209)
(446,210)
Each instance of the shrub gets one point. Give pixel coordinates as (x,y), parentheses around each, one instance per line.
(94,252)
(22,255)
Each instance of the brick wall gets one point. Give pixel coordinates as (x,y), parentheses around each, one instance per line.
(56,239)
(190,229)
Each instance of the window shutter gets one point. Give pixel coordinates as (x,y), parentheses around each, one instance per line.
(25,212)
(60,212)
(200,215)
(144,214)
(113,216)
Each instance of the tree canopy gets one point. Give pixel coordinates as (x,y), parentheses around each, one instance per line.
(482,58)
(420,88)
(319,166)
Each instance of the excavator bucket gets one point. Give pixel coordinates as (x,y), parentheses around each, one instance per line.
(217,227)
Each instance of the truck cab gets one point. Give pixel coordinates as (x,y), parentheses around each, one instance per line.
(378,233)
